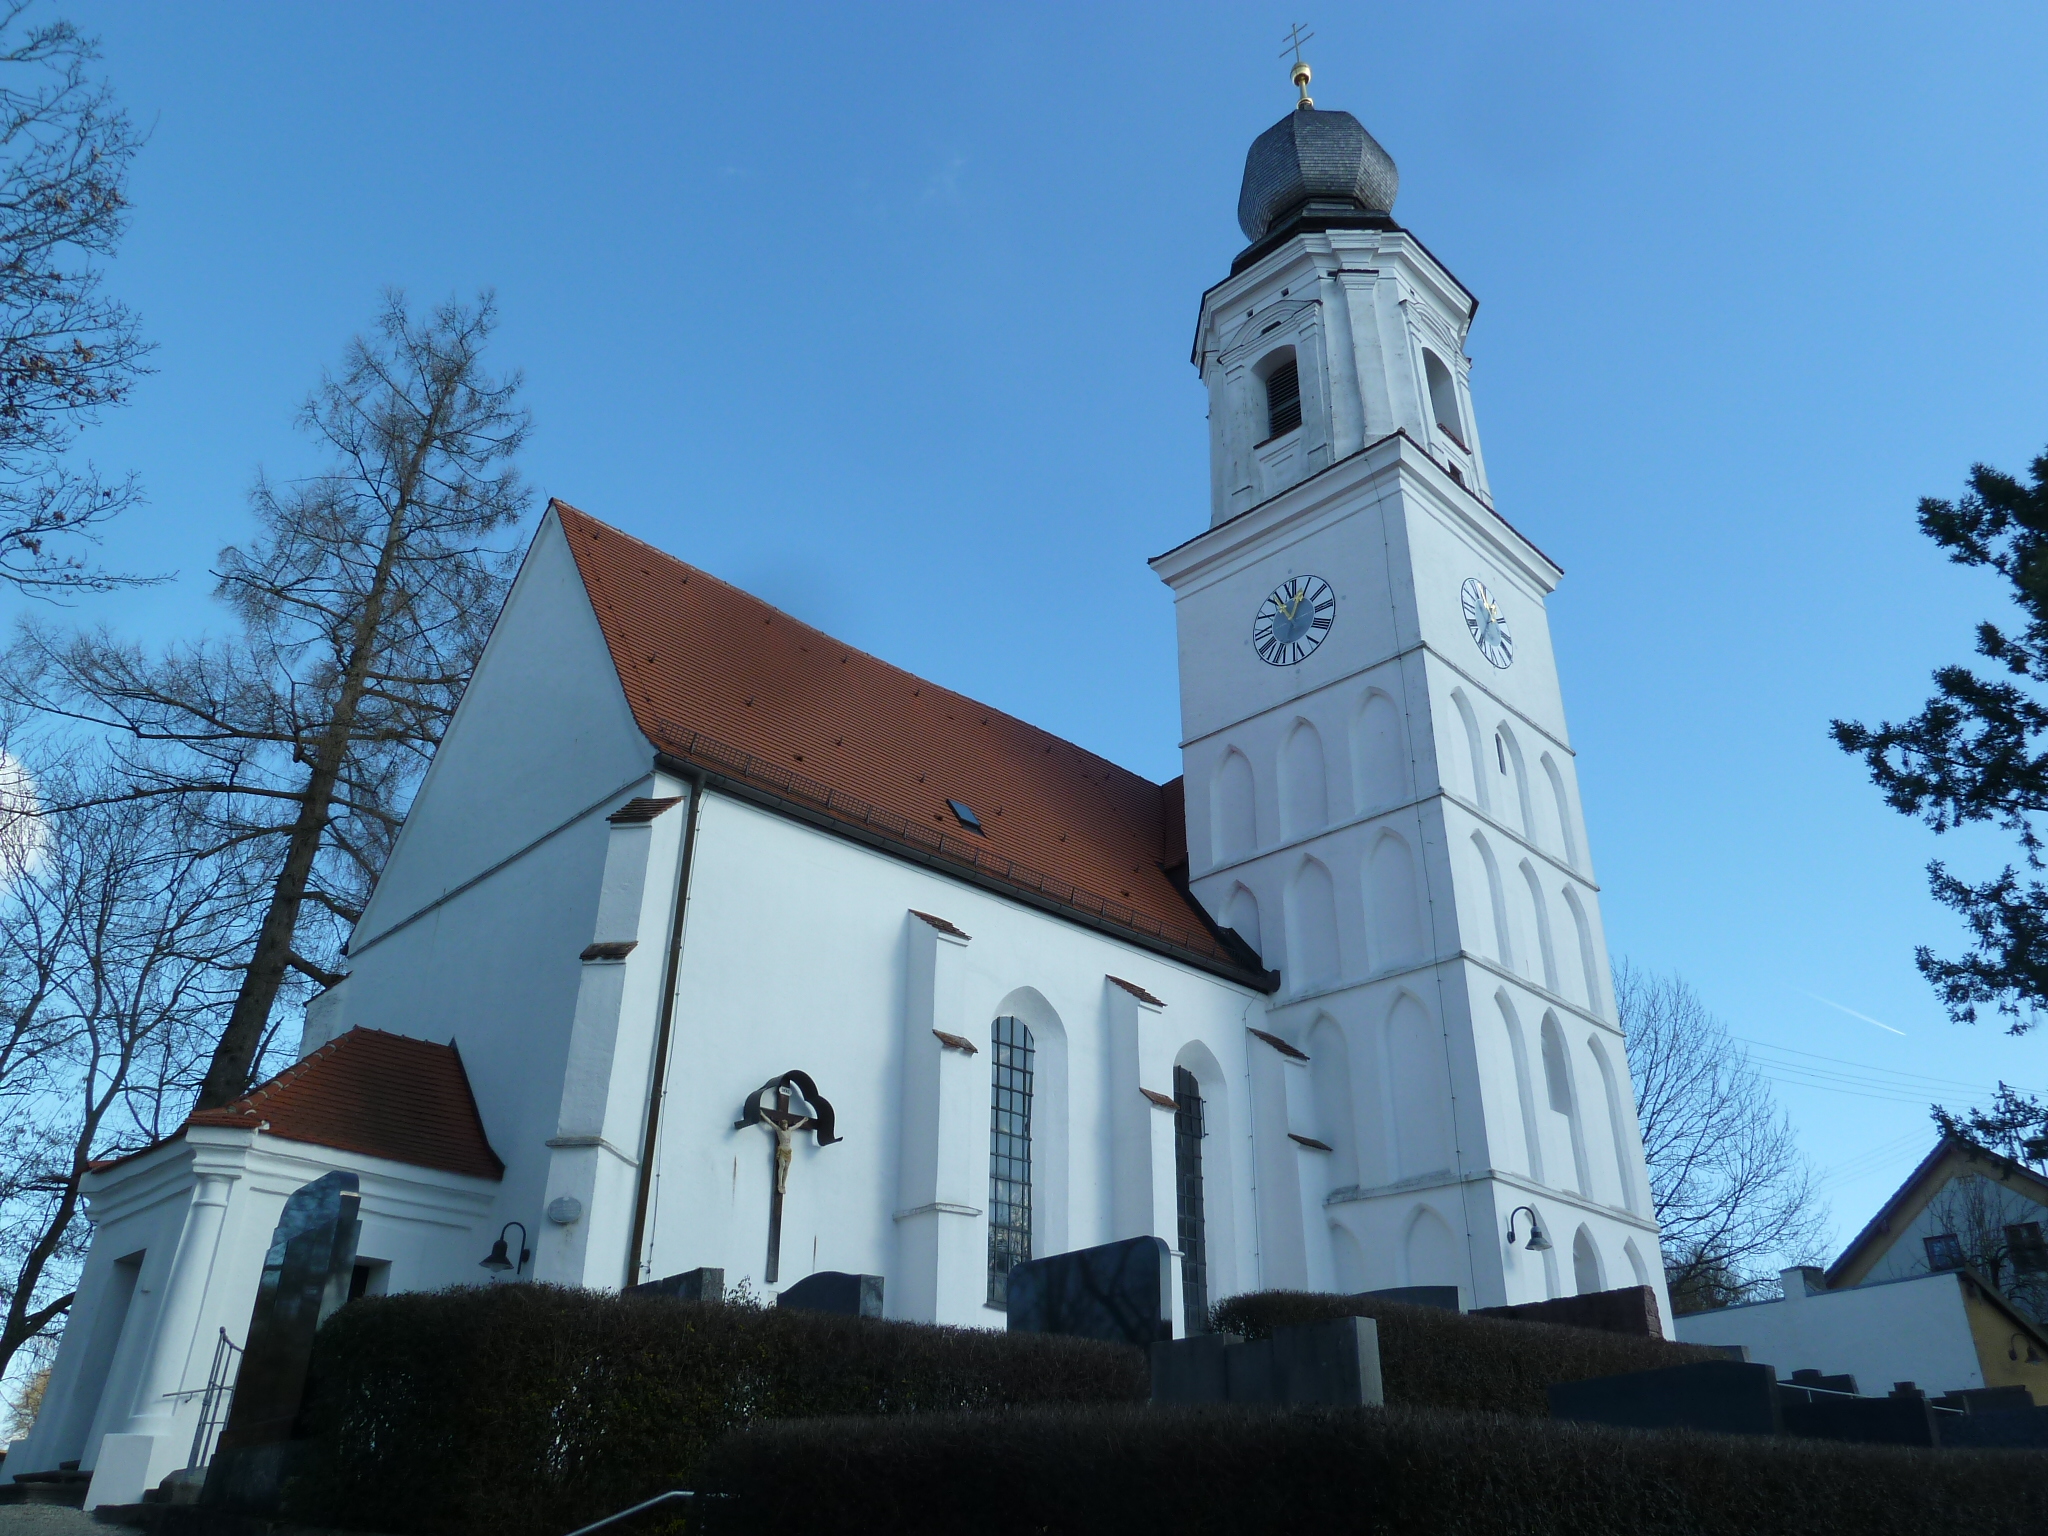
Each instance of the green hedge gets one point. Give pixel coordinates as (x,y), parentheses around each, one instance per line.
(530,1410)
(1406,1472)
(1432,1358)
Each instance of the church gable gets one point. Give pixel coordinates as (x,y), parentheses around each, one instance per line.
(766,703)
(542,733)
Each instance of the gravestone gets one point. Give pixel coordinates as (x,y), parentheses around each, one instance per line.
(305,1281)
(1445,1298)
(690,1285)
(1335,1362)
(1823,1415)
(1842,1382)
(834,1291)
(1629,1309)
(1122,1292)
(1727,1396)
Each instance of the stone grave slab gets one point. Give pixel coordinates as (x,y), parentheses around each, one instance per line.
(834,1291)
(690,1285)
(1122,1292)
(305,1281)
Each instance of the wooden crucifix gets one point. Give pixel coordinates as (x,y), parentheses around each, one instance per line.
(784,1107)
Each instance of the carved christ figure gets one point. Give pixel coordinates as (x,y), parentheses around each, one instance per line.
(773,1107)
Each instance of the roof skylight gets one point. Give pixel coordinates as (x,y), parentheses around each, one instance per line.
(967,817)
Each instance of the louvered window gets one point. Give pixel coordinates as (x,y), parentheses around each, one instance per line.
(1283,400)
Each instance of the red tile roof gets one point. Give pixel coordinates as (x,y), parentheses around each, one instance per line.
(726,682)
(379,1094)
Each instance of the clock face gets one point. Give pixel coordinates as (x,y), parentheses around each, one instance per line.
(1488,625)
(1293,619)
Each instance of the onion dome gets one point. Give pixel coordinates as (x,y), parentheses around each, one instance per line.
(1315,162)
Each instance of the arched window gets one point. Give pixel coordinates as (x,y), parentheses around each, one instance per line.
(1009,1156)
(1187,1188)
(1586,1275)
(1283,394)
(1443,398)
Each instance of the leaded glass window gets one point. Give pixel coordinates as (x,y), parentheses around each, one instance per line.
(1187,1180)
(1009,1156)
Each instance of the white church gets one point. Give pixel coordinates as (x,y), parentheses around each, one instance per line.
(1332,1011)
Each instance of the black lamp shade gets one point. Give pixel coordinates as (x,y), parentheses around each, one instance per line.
(498,1258)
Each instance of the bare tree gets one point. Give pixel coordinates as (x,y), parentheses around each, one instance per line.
(1733,1197)
(1993,1238)
(66,349)
(363,608)
(117,956)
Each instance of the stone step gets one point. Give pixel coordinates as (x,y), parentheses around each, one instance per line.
(66,1487)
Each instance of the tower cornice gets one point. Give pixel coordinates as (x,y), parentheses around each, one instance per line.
(1331,251)
(1378,469)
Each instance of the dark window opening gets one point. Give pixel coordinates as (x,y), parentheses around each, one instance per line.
(967,817)
(2029,1252)
(1009,1155)
(367,1278)
(1187,1181)
(1443,399)
(1944,1251)
(1283,400)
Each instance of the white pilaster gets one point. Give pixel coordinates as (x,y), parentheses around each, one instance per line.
(595,1151)
(941,1273)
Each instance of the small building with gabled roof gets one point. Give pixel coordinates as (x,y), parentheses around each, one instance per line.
(177,1225)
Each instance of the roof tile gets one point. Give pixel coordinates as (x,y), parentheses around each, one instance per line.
(721,679)
(380,1094)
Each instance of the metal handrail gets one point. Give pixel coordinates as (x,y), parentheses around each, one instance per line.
(214,1405)
(660,1498)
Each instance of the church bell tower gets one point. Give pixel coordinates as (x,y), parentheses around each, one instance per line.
(1382,797)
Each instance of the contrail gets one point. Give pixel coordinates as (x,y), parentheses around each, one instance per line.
(1866,1018)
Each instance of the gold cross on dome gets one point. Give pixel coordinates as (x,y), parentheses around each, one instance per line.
(1295,38)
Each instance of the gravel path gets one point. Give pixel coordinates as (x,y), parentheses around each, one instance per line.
(48,1520)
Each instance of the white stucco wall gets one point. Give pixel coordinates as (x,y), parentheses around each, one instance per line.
(1901,1330)
(162,1277)
(798,954)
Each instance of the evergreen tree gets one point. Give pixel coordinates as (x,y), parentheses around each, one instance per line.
(1978,752)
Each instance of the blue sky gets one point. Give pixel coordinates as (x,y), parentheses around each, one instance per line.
(884,313)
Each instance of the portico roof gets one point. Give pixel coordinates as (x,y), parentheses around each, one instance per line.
(370,1092)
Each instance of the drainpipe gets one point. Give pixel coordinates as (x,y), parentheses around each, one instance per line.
(644,1191)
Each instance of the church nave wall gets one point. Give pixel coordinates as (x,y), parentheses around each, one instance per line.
(857,990)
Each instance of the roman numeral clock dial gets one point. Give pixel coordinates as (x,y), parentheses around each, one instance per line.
(1488,625)
(1293,620)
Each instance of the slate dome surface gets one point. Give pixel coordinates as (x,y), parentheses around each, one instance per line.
(1313,156)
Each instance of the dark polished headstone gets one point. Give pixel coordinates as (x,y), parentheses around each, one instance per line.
(1629,1309)
(1723,1395)
(690,1285)
(1122,1292)
(1823,1415)
(1443,1297)
(305,1281)
(1838,1383)
(1335,1362)
(832,1290)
